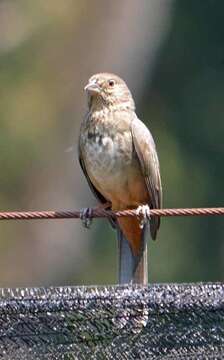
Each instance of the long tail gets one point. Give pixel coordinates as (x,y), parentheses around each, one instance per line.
(133,268)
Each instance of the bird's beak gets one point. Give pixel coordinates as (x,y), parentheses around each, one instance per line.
(92,88)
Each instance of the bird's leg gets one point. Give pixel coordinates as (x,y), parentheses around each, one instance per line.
(87,213)
(104,206)
(143,211)
(86,217)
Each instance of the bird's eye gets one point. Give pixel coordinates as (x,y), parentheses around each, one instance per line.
(111,83)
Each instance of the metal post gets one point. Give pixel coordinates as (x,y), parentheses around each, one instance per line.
(132,269)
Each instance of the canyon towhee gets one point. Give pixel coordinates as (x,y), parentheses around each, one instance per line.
(119,159)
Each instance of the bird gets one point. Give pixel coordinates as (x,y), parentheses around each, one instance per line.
(119,159)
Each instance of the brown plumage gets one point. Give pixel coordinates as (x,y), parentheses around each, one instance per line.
(118,155)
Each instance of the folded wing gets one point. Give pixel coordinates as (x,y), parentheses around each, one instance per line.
(146,151)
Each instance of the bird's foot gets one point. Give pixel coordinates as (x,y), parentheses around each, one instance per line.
(86,217)
(143,212)
(86,214)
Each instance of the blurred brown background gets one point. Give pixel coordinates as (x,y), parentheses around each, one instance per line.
(171,55)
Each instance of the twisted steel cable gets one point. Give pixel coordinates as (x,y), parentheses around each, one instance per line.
(101,213)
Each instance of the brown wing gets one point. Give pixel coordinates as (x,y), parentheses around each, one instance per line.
(145,148)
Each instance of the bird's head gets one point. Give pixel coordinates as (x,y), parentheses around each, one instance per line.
(108,90)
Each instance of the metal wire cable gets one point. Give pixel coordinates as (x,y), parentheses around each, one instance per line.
(101,213)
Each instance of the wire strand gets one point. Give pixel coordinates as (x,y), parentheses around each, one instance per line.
(101,213)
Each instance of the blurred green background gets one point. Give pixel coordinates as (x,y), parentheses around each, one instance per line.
(171,54)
